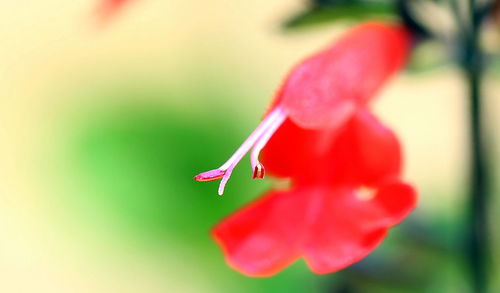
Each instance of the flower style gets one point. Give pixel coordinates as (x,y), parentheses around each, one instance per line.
(344,164)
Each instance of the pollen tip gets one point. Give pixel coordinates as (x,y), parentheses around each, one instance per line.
(210,175)
(258,172)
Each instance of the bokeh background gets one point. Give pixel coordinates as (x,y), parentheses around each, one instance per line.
(103,128)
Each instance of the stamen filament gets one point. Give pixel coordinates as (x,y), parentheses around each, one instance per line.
(257,138)
(257,167)
(250,141)
(267,123)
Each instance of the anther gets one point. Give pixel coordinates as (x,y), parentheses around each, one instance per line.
(210,175)
(258,172)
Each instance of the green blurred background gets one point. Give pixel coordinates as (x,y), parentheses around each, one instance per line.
(102,130)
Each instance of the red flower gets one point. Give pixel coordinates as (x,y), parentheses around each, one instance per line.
(343,163)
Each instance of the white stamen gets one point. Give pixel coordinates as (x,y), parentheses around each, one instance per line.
(224,180)
(271,122)
(250,141)
(261,143)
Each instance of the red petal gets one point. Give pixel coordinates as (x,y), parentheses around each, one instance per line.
(366,152)
(325,88)
(363,151)
(294,152)
(348,228)
(397,199)
(263,238)
(331,227)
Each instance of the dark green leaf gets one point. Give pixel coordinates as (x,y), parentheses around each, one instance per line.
(331,11)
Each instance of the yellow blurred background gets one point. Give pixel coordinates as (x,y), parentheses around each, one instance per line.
(194,62)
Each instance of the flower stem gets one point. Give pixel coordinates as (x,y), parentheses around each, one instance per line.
(477,244)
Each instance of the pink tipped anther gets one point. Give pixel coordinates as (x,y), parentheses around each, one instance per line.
(210,175)
(257,140)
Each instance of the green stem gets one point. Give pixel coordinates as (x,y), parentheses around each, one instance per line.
(477,236)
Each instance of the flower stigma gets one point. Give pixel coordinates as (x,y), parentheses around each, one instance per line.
(256,142)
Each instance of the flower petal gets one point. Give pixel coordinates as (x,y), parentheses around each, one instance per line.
(366,152)
(362,151)
(349,227)
(331,227)
(263,238)
(345,230)
(325,88)
(397,199)
(294,152)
